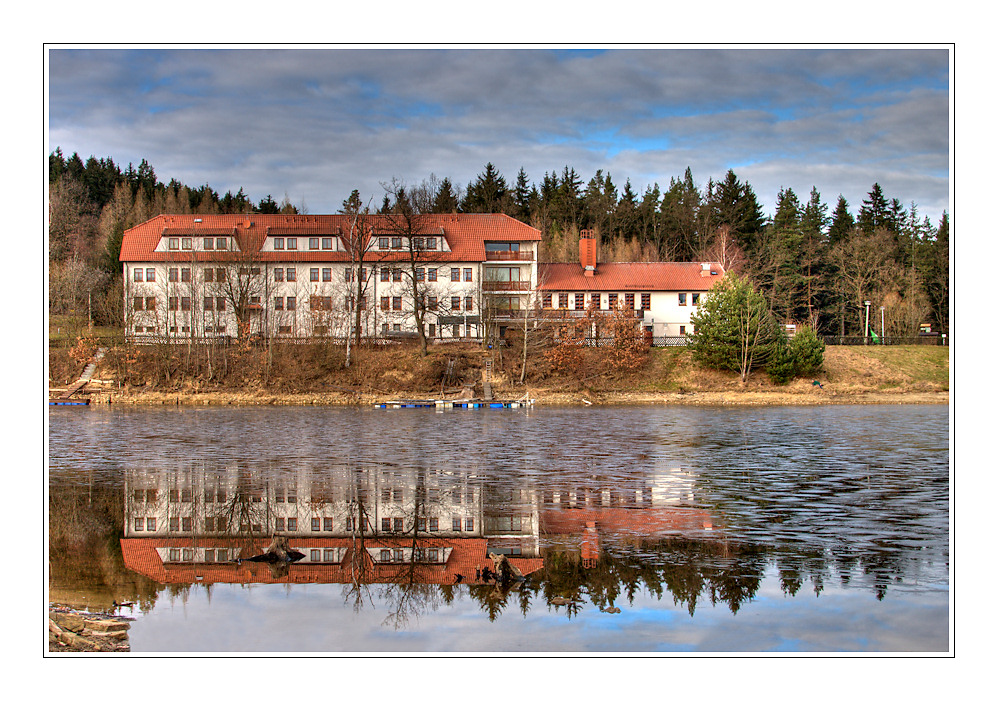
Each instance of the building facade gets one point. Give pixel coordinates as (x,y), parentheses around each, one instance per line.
(459,276)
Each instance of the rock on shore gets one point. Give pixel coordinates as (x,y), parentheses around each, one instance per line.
(76,631)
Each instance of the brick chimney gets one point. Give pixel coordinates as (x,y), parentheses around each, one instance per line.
(588,247)
(705,270)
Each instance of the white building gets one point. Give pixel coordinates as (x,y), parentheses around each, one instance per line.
(294,276)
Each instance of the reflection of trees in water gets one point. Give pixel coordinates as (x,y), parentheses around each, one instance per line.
(85,522)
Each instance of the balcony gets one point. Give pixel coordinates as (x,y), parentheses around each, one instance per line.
(509,255)
(506,286)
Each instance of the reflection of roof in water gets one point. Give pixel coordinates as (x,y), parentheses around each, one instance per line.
(648,522)
(141,555)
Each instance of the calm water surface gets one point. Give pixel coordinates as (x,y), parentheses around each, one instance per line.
(651,529)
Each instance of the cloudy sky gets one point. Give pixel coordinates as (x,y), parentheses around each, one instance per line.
(315,124)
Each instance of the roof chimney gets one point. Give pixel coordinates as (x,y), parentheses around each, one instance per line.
(705,270)
(588,246)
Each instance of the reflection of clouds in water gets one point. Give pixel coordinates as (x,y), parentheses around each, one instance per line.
(314,618)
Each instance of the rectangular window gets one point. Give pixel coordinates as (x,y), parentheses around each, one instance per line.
(279,523)
(467,274)
(431,275)
(468,305)
(150,274)
(185,244)
(291,275)
(456,523)
(562,300)
(140,524)
(185,274)
(611,300)
(434,524)
(432,333)
(315,524)
(682,299)
(594,300)
(329,555)
(580,300)
(455,275)
(173,244)
(469,524)
(209,555)
(172,304)
(174,523)
(220,304)
(383,242)
(292,244)
(386,524)
(396,275)
(431,243)
(327,244)
(185,304)
(313,244)
(314,555)
(696,298)
(384,304)
(397,525)
(278,304)
(629,300)
(221,244)
(172,274)
(396,242)
(420,274)
(219,274)
(327,274)
(327,524)
(455,304)
(209,244)
(209,275)
(348,275)
(291,304)
(546,300)
(397,303)
(279,244)
(151,303)
(646,300)
(137,304)
(292,524)
(313,274)
(431,304)
(278,274)
(138,275)
(682,330)
(186,523)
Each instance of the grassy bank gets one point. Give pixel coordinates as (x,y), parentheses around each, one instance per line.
(315,374)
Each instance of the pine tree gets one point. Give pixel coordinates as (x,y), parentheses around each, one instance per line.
(842,223)
(874,212)
(488,194)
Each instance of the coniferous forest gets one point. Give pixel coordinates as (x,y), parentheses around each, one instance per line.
(816,260)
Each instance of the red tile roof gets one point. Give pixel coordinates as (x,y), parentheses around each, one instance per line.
(623,277)
(466,234)
(646,522)
(468,553)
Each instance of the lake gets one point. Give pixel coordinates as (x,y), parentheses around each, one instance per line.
(623,529)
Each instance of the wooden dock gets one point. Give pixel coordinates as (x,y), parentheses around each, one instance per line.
(442,404)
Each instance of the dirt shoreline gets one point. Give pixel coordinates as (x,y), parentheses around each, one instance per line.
(818,396)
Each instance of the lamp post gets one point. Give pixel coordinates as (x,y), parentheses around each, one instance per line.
(881,323)
(866,329)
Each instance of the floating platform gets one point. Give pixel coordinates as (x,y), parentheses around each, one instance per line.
(69,402)
(452,404)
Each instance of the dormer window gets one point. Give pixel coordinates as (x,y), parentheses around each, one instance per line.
(221,244)
(383,243)
(186,243)
(313,244)
(327,244)
(292,244)
(209,244)
(173,244)
(431,243)
(278,244)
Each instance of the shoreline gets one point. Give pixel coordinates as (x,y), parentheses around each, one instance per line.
(818,397)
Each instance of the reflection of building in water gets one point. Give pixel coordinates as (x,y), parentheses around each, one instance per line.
(390,518)
(337,501)
(328,559)
(180,521)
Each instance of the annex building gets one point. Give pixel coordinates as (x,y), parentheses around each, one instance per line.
(460,276)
